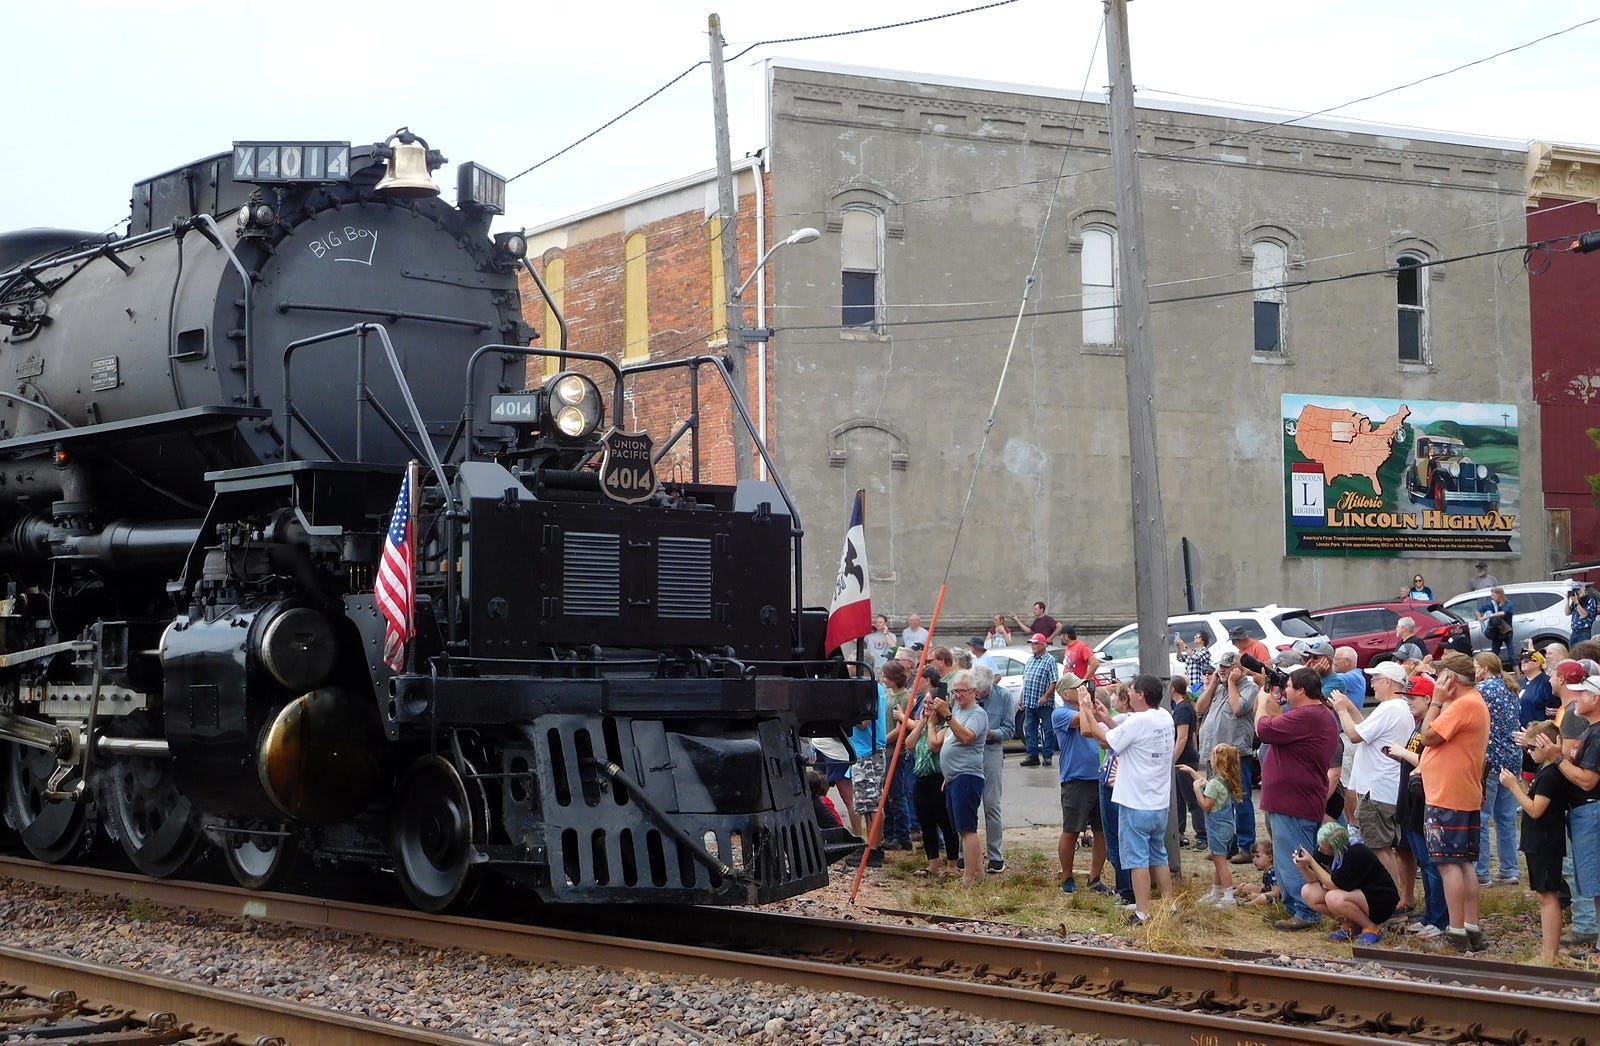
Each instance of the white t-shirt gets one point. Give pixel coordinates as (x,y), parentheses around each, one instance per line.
(913,636)
(1143,742)
(1372,772)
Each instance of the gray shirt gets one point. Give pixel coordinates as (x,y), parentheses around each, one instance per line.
(1002,710)
(956,758)
(1486,581)
(1222,726)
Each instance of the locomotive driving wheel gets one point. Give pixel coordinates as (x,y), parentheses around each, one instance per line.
(147,814)
(434,827)
(54,830)
(260,860)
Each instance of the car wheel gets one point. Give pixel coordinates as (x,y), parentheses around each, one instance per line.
(1379,660)
(1439,501)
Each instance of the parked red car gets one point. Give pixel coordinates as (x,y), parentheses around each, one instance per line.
(1368,628)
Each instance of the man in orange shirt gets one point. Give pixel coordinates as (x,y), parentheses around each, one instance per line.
(1246,644)
(1455,733)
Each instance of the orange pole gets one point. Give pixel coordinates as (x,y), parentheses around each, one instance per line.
(875,830)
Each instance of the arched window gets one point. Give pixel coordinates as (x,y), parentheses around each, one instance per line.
(635,301)
(1099,266)
(1411,297)
(861,268)
(555,281)
(1269,268)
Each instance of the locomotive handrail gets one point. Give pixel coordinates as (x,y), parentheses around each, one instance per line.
(469,406)
(208,228)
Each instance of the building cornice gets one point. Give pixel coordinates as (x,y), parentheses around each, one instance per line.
(1565,172)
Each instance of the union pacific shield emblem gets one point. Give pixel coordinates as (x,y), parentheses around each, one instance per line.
(627,473)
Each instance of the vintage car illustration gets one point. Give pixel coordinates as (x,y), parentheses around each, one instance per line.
(1440,471)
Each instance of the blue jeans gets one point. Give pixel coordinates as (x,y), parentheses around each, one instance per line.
(1288,835)
(1434,912)
(897,814)
(1499,816)
(1244,811)
(1509,657)
(1108,827)
(1036,720)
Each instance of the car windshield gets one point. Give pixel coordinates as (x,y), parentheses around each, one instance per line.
(1297,625)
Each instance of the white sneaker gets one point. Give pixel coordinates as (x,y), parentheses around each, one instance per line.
(1428,933)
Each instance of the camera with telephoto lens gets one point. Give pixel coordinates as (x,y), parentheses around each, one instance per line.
(1275,676)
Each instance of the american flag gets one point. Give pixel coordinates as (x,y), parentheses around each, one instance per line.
(395,588)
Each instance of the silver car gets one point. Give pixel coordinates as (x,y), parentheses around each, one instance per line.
(1538,612)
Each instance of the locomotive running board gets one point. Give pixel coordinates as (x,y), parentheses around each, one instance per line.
(212,417)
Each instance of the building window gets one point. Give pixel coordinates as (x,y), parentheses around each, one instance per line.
(1099,266)
(555,281)
(1269,268)
(1412,299)
(635,301)
(861,268)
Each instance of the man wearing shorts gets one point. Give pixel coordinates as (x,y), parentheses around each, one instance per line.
(1374,776)
(1581,767)
(1080,777)
(958,736)
(1455,735)
(1142,742)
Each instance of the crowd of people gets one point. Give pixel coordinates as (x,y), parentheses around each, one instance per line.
(1416,767)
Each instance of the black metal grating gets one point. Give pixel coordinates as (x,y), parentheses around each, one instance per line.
(683,578)
(591,574)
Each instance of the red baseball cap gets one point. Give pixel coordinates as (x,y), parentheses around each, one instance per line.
(1039,637)
(1570,672)
(1420,684)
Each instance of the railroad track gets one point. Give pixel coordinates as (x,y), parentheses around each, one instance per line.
(1119,993)
(48,998)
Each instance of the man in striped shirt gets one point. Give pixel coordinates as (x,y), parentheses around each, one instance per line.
(1038,686)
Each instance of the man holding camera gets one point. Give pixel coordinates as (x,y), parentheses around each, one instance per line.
(1455,736)
(1304,741)
(1227,701)
(1583,606)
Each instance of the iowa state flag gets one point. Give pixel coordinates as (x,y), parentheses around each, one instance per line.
(850,613)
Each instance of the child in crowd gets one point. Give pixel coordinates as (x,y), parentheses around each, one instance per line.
(827,816)
(1268,892)
(1544,831)
(1216,797)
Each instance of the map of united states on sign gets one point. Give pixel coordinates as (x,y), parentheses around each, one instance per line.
(1344,442)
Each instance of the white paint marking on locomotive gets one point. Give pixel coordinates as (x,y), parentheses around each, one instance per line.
(350,235)
(339,162)
(291,161)
(244,162)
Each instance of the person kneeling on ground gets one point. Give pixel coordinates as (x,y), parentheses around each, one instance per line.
(1267,891)
(1347,881)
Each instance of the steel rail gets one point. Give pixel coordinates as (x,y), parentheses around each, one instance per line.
(294,1023)
(1115,992)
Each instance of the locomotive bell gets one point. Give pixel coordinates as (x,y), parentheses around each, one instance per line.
(407,176)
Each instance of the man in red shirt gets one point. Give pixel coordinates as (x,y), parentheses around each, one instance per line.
(1079,659)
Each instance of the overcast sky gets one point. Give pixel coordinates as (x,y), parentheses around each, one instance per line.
(100,95)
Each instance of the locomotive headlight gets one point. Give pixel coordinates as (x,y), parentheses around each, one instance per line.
(511,245)
(573,409)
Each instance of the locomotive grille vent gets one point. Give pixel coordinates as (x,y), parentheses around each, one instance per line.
(591,574)
(683,578)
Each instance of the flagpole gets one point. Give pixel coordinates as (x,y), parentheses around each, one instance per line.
(413,484)
(861,641)
(875,828)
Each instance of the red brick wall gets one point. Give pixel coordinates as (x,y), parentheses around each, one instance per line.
(678,268)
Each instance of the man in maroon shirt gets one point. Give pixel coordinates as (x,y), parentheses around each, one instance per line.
(1303,739)
(1043,624)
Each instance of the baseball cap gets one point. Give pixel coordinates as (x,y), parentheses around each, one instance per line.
(1457,662)
(976,641)
(1238,632)
(1039,637)
(1534,656)
(1589,683)
(1318,648)
(1389,670)
(1574,585)
(1230,658)
(1570,672)
(1420,684)
(1069,681)
(1481,565)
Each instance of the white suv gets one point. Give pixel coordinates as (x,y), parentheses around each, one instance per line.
(1278,627)
(1538,612)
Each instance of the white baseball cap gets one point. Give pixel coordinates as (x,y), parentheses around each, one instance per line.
(1389,670)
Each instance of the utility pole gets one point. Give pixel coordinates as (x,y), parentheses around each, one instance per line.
(1149,527)
(727,212)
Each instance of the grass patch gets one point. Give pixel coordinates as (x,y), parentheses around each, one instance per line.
(140,909)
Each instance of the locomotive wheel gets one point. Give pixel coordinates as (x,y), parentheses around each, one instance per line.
(148,815)
(260,862)
(54,830)
(432,836)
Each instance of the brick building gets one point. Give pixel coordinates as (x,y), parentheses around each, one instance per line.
(1320,258)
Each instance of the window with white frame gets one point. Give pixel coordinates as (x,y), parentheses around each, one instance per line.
(1269,268)
(1098,262)
(861,268)
(1411,298)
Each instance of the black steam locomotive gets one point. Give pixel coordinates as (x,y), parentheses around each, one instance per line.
(594,683)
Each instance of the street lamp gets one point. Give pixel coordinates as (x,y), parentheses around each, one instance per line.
(805,235)
(736,347)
